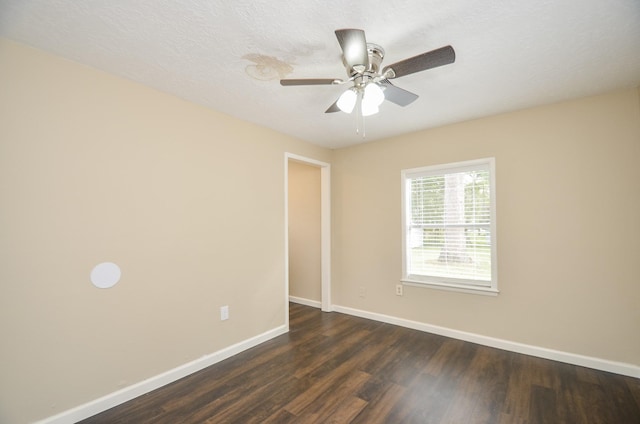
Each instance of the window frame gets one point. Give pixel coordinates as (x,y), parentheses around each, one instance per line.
(444,283)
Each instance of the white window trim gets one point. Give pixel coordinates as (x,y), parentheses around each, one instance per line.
(491,288)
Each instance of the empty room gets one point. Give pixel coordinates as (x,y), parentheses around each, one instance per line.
(315,212)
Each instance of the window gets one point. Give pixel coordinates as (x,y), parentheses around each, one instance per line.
(448,220)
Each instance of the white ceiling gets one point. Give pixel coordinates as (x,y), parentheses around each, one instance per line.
(229,55)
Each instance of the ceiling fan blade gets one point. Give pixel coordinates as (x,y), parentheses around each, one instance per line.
(354,49)
(433,59)
(313,81)
(333,108)
(397,95)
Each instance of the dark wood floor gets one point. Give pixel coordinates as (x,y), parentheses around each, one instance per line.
(334,368)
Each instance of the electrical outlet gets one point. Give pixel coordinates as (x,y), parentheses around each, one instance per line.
(362,292)
(399,290)
(224,313)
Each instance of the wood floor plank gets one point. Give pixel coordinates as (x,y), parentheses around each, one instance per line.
(332,403)
(505,418)
(616,388)
(634,387)
(543,405)
(327,383)
(331,354)
(481,392)
(451,359)
(379,407)
(517,400)
(335,368)
(281,417)
(345,412)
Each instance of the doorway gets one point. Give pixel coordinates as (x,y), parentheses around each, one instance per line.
(307,250)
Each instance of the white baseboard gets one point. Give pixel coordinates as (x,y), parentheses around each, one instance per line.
(303,301)
(116,398)
(540,352)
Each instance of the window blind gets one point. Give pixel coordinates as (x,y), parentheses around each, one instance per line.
(448,225)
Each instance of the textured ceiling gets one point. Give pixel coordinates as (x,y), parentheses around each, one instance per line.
(229,55)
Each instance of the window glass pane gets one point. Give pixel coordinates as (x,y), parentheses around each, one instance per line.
(450,225)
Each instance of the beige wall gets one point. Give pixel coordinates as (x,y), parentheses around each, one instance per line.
(568,225)
(189,202)
(304,231)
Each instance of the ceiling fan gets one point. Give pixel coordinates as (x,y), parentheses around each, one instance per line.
(371,86)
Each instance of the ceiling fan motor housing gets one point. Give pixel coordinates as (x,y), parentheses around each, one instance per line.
(376,54)
(362,75)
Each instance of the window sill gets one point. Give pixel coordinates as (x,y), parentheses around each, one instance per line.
(484,291)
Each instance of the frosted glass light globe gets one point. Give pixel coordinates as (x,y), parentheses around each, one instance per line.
(373,94)
(347,100)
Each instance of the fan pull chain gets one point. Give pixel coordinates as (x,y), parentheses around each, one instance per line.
(358,111)
(359,116)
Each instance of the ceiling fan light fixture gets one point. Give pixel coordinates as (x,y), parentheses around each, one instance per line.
(347,100)
(371,85)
